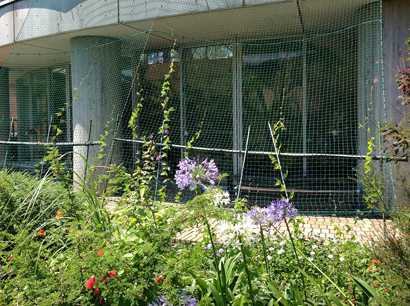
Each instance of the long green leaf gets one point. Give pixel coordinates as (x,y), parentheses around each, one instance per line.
(335,299)
(217,297)
(367,289)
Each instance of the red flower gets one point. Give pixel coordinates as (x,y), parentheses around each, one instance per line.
(101,301)
(112,273)
(384,259)
(91,282)
(373,261)
(96,292)
(159,279)
(370,268)
(374,285)
(377,270)
(41,233)
(100,252)
(11,257)
(104,278)
(59,214)
(384,289)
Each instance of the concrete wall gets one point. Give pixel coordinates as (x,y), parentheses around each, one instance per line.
(396,19)
(26,19)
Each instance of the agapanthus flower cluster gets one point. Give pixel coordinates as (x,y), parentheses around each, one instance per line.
(219,198)
(184,299)
(231,234)
(273,214)
(196,172)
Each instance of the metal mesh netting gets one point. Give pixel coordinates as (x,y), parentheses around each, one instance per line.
(81,67)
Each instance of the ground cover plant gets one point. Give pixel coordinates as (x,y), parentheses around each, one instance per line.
(60,245)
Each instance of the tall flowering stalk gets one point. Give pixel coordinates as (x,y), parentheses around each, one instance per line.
(278,211)
(196,173)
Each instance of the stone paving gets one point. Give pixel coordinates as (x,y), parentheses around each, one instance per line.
(363,229)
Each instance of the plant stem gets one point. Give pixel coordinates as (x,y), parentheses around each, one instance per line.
(264,251)
(296,255)
(222,292)
(247,274)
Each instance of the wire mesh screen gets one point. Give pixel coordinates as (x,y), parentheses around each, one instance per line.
(78,71)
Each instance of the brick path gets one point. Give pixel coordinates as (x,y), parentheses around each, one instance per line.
(364,230)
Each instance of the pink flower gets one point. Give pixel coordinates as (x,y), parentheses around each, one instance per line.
(96,292)
(104,278)
(112,273)
(159,279)
(91,282)
(100,252)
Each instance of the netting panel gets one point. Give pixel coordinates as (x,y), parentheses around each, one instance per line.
(239,65)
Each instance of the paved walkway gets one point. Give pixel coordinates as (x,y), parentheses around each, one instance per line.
(364,229)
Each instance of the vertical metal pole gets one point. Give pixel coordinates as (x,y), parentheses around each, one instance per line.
(7,147)
(237,110)
(47,140)
(88,149)
(304,115)
(68,103)
(243,164)
(68,109)
(182,102)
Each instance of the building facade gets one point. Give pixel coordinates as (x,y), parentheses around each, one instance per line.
(315,69)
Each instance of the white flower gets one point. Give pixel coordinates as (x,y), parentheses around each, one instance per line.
(209,246)
(312,253)
(330,256)
(341,259)
(333,250)
(281,251)
(314,246)
(269,257)
(220,198)
(282,243)
(300,257)
(220,251)
(179,251)
(271,249)
(311,259)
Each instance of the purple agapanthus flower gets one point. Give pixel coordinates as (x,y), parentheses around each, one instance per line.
(280,209)
(187,300)
(160,301)
(275,213)
(196,172)
(258,214)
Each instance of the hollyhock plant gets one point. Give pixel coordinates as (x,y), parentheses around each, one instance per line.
(195,173)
